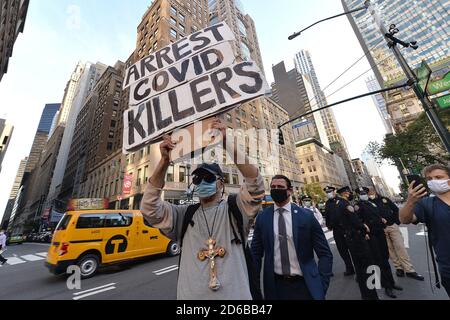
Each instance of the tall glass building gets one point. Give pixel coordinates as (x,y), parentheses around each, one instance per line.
(50,110)
(380,103)
(424,21)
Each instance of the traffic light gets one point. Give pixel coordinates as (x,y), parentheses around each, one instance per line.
(280,137)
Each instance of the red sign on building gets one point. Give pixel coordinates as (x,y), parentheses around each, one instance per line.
(127,183)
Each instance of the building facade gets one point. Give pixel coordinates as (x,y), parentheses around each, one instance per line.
(13,14)
(6,131)
(380,104)
(318,164)
(363,178)
(14,192)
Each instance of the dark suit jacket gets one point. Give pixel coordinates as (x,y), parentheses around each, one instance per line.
(308,238)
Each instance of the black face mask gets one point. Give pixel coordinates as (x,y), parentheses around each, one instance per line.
(279,195)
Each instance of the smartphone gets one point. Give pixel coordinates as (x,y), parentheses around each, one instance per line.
(418,180)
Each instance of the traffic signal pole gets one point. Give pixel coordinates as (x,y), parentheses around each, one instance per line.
(412,78)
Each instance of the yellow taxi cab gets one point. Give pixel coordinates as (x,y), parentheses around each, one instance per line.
(94,238)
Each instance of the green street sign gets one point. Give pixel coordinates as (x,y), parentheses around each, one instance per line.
(443,102)
(439,86)
(423,76)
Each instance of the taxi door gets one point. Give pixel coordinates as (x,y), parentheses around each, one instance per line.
(151,240)
(119,238)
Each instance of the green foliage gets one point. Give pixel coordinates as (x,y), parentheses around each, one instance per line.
(315,191)
(417,147)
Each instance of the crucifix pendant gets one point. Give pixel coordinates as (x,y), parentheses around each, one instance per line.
(211,253)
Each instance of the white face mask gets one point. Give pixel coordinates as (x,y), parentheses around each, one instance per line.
(307,203)
(364,197)
(372,197)
(330,195)
(439,186)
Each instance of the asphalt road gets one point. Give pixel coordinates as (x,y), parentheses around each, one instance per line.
(26,277)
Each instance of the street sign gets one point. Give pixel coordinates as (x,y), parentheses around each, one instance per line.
(301,124)
(443,102)
(423,76)
(439,86)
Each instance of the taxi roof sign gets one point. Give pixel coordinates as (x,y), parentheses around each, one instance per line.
(88,204)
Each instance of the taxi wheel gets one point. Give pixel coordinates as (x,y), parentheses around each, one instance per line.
(88,265)
(173,248)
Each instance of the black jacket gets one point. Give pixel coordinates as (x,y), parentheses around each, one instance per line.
(388,210)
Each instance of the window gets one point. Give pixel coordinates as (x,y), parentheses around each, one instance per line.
(182,174)
(226,178)
(109,146)
(228,117)
(111,134)
(173,32)
(182,27)
(113,123)
(173,10)
(118,220)
(238,122)
(182,18)
(235,179)
(169,177)
(90,221)
(62,225)
(173,21)
(138,182)
(245,52)
(145,174)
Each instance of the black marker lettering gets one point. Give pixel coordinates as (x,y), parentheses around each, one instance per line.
(239,70)
(176,49)
(162,55)
(207,61)
(197,95)
(160,123)
(147,66)
(177,115)
(134,124)
(159,87)
(180,75)
(139,97)
(133,71)
(221,85)
(205,41)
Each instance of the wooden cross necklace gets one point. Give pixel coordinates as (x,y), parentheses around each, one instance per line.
(211,253)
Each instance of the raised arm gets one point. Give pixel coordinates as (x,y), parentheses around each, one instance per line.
(414,195)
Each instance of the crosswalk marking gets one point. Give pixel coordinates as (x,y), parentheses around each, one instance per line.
(32,257)
(43,254)
(14,260)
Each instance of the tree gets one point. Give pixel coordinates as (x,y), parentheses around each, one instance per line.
(315,191)
(415,148)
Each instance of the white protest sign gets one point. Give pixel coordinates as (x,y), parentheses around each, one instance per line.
(177,51)
(181,72)
(203,97)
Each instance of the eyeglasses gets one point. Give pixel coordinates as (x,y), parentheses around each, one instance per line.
(208,178)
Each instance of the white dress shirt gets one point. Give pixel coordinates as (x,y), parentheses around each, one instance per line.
(295,266)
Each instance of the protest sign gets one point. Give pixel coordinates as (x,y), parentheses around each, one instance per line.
(207,95)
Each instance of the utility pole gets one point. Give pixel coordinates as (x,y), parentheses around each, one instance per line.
(392,42)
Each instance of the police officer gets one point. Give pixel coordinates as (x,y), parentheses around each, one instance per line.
(338,233)
(356,237)
(370,214)
(396,245)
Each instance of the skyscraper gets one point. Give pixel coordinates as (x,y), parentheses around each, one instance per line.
(424,21)
(6,132)
(380,103)
(13,14)
(87,75)
(304,65)
(14,192)
(42,134)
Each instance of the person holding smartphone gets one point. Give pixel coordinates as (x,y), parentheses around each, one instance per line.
(435,212)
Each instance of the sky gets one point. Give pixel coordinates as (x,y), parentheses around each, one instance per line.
(60,33)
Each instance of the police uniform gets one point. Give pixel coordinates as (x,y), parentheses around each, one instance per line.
(396,245)
(355,233)
(370,215)
(331,221)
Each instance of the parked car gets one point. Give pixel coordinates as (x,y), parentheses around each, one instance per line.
(15,239)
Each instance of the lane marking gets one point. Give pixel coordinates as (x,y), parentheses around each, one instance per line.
(166,271)
(93,293)
(169,267)
(14,260)
(31,257)
(97,288)
(404,231)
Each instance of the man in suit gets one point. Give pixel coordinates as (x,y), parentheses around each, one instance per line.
(287,237)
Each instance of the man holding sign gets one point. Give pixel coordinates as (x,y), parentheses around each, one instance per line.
(213,263)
